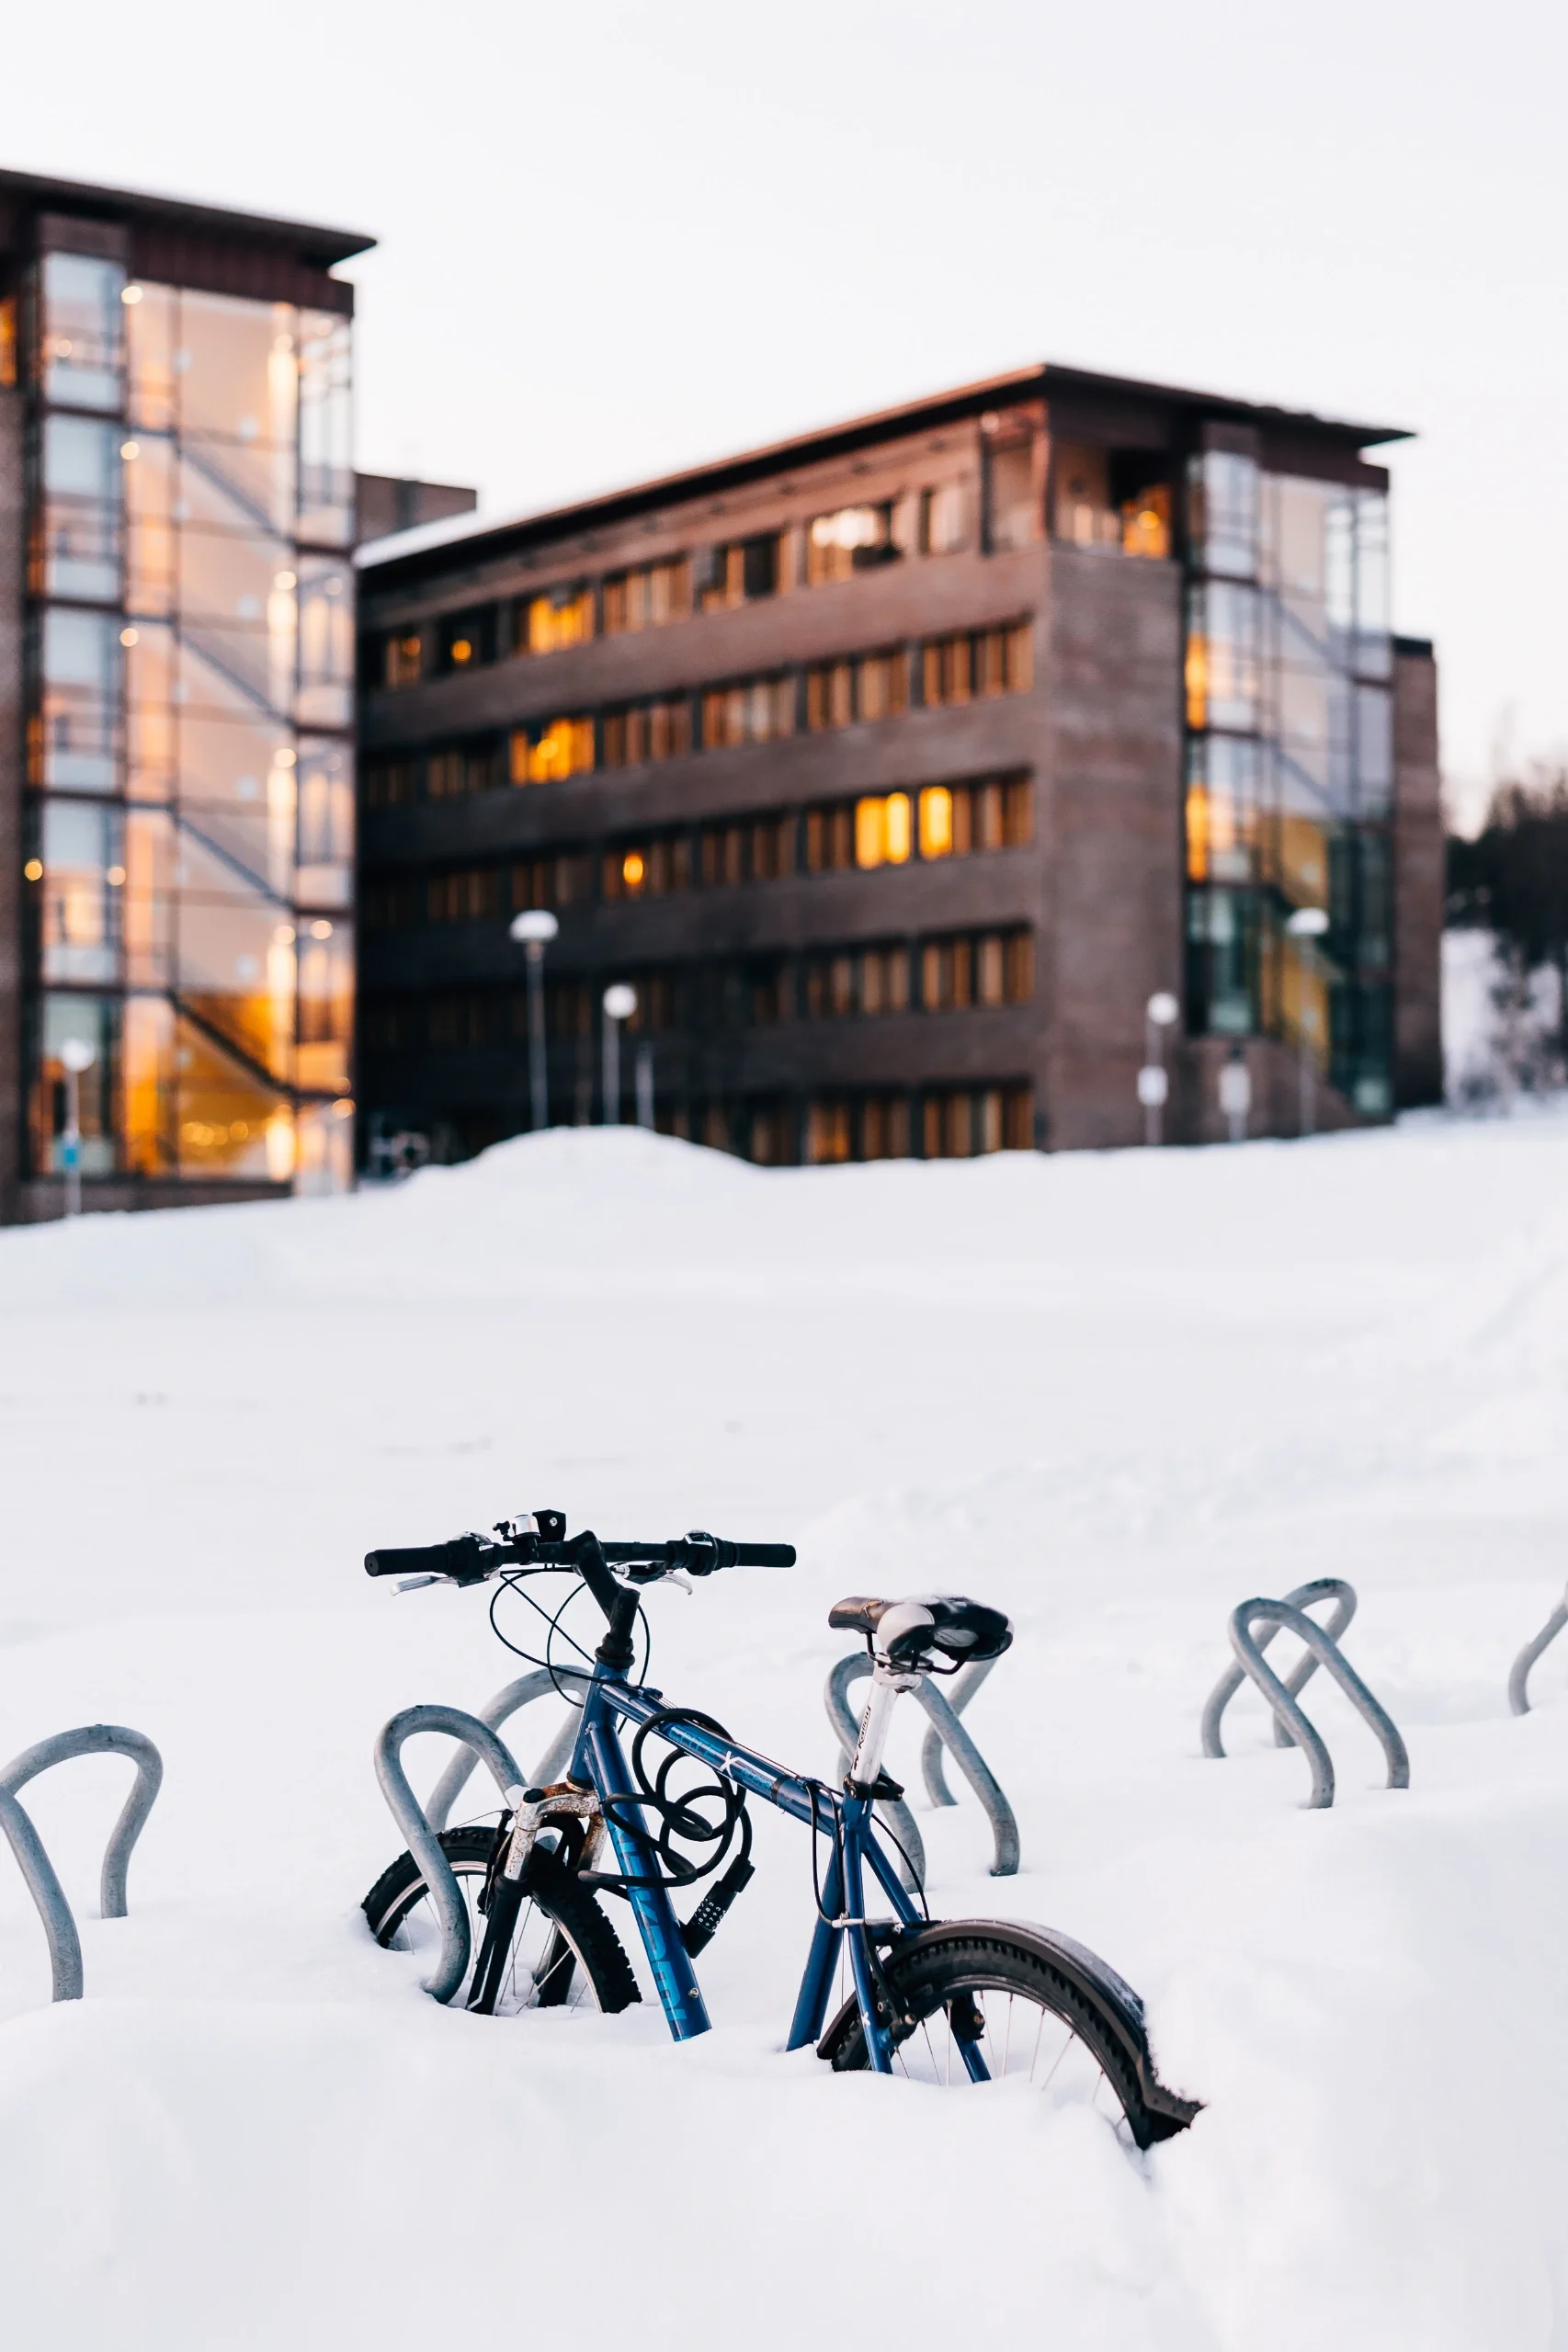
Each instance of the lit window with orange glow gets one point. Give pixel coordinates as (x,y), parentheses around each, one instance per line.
(1146,523)
(883,831)
(1196,833)
(1196,681)
(561,619)
(563,748)
(462,650)
(936,822)
(632,870)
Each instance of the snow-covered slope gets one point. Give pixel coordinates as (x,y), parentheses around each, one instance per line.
(1115,1394)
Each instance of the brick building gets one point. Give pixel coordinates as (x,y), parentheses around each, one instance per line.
(897,767)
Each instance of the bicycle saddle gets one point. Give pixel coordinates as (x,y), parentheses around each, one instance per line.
(907,1632)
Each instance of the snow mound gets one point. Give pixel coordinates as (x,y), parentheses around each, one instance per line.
(1114,1394)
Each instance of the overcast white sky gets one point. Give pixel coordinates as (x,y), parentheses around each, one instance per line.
(619,238)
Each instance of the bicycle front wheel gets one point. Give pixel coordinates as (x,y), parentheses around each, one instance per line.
(988,2001)
(556,1949)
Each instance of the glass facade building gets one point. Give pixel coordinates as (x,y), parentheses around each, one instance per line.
(1290,767)
(186,705)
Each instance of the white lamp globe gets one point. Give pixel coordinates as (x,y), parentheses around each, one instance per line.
(536,926)
(621,1002)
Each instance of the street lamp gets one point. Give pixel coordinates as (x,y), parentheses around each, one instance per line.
(533,930)
(1235,1094)
(619,1004)
(1308,924)
(1154,1080)
(76,1056)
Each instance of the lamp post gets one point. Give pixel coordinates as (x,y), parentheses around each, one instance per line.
(1307,924)
(644,1086)
(533,930)
(1154,1080)
(76,1056)
(619,1004)
(1235,1094)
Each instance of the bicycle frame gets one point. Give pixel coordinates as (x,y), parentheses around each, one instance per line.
(598,1759)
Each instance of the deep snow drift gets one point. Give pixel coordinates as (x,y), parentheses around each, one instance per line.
(1114,1394)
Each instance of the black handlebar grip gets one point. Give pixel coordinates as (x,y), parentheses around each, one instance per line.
(461,1560)
(765,1555)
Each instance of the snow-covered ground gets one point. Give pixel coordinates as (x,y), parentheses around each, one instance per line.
(1113,1393)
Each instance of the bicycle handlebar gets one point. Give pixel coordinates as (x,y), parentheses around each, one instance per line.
(472,1559)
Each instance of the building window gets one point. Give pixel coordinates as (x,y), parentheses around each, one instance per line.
(551,622)
(77,530)
(1223,656)
(452,773)
(829,1133)
(561,878)
(941,524)
(1224,506)
(467,897)
(649,598)
(83,344)
(760,710)
(977,664)
(468,639)
(874,686)
(647,731)
(737,574)
(1012,503)
(647,869)
(1146,522)
(852,538)
(403,657)
(752,849)
(391,784)
(79,718)
(549,752)
(883,830)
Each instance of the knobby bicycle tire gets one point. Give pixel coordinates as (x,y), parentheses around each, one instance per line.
(584,1940)
(956,1967)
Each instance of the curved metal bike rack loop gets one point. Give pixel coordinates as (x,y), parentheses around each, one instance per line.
(1301,1733)
(1322,1588)
(949,1733)
(59,1924)
(496,1711)
(423,1841)
(962,1690)
(1518,1678)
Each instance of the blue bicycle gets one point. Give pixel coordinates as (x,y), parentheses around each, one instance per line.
(959,2001)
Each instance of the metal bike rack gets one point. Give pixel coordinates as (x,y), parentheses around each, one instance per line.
(59,1924)
(493,1713)
(1519,1694)
(945,1731)
(1292,1729)
(1322,1588)
(423,1841)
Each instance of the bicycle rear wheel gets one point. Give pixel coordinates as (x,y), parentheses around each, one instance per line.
(982,2000)
(557,1951)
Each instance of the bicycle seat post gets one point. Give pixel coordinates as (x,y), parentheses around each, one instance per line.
(887,1684)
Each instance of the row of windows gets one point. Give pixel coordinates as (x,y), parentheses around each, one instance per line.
(941,673)
(830,546)
(889,828)
(941,1123)
(881,829)
(960,972)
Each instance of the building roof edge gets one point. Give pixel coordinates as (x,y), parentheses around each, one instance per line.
(323,245)
(409,553)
